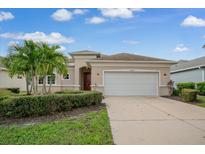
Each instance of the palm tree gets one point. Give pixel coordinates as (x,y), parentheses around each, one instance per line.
(51,60)
(34,60)
(32,55)
(23,60)
(17,65)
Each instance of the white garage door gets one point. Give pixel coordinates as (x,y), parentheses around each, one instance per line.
(130,83)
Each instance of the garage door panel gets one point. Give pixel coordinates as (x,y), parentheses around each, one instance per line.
(126,83)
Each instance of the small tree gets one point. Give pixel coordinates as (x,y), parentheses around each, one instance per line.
(51,60)
(171,87)
(34,60)
(16,64)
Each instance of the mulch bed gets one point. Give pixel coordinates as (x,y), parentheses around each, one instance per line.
(178,98)
(51,117)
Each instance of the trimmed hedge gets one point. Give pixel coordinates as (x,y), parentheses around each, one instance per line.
(185,85)
(70,92)
(201,88)
(14,90)
(175,92)
(24,106)
(189,95)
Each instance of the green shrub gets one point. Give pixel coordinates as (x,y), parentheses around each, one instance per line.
(68,91)
(23,106)
(175,92)
(201,88)
(14,90)
(3,97)
(185,85)
(189,95)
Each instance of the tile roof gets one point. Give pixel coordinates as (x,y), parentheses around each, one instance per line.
(189,64)
(129,57)
(85,52)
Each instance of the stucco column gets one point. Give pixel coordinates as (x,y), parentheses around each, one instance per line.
(93,79)
(77,78)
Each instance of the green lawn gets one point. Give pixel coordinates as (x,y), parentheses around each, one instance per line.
(201,101)
(91,128)
(5,92)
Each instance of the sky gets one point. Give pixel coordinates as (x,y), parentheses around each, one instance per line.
(173,34)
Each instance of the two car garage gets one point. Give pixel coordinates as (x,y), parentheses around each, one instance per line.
(118,83)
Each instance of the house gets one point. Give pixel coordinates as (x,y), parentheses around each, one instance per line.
(119,74)
(7,82)
(189,71)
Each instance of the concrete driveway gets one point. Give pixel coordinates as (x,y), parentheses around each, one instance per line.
(155,120)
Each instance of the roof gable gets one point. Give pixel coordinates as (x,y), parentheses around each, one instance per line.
(85,52)
(130,57)
(189,64)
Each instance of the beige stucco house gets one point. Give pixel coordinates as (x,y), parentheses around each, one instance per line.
(119,74)
(7,82)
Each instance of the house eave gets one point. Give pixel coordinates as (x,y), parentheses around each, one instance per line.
(127,61)
(187,69)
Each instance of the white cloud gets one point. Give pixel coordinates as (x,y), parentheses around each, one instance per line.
(52,38)
(80,11)
(193,21)
(95,20)
(6,16)
(119,13)
(131,42)
(13,43)
(181,48)
(62,15)
(62,49)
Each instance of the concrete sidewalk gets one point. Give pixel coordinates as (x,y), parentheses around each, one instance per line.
(155,120)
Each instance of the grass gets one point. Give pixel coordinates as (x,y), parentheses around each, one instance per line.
(201,101)
(91,128)
(6,92)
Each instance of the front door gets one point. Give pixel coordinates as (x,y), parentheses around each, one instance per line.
(87,81)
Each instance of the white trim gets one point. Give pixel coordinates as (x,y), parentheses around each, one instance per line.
(124,61)
(71,64)
(135,71)
(47,80)
(131,65)
(203,74)
(186,69)
(63,85)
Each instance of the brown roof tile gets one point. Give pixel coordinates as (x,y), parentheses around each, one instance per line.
(130,57)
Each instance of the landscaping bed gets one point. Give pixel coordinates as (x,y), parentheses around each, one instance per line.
(199,102)
(38,105)
(8,121)
(90,128)
(189,92)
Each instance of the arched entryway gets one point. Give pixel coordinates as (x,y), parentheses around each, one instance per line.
(85,78)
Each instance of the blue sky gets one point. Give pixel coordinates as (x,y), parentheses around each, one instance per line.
(166,33)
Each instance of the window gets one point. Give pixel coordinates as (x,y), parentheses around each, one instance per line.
(40,80)
(51,78)
(19,77)
(67,76)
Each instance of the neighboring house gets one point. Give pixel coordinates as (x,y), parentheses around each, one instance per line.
(189,71)
(7,82)
(120,74)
